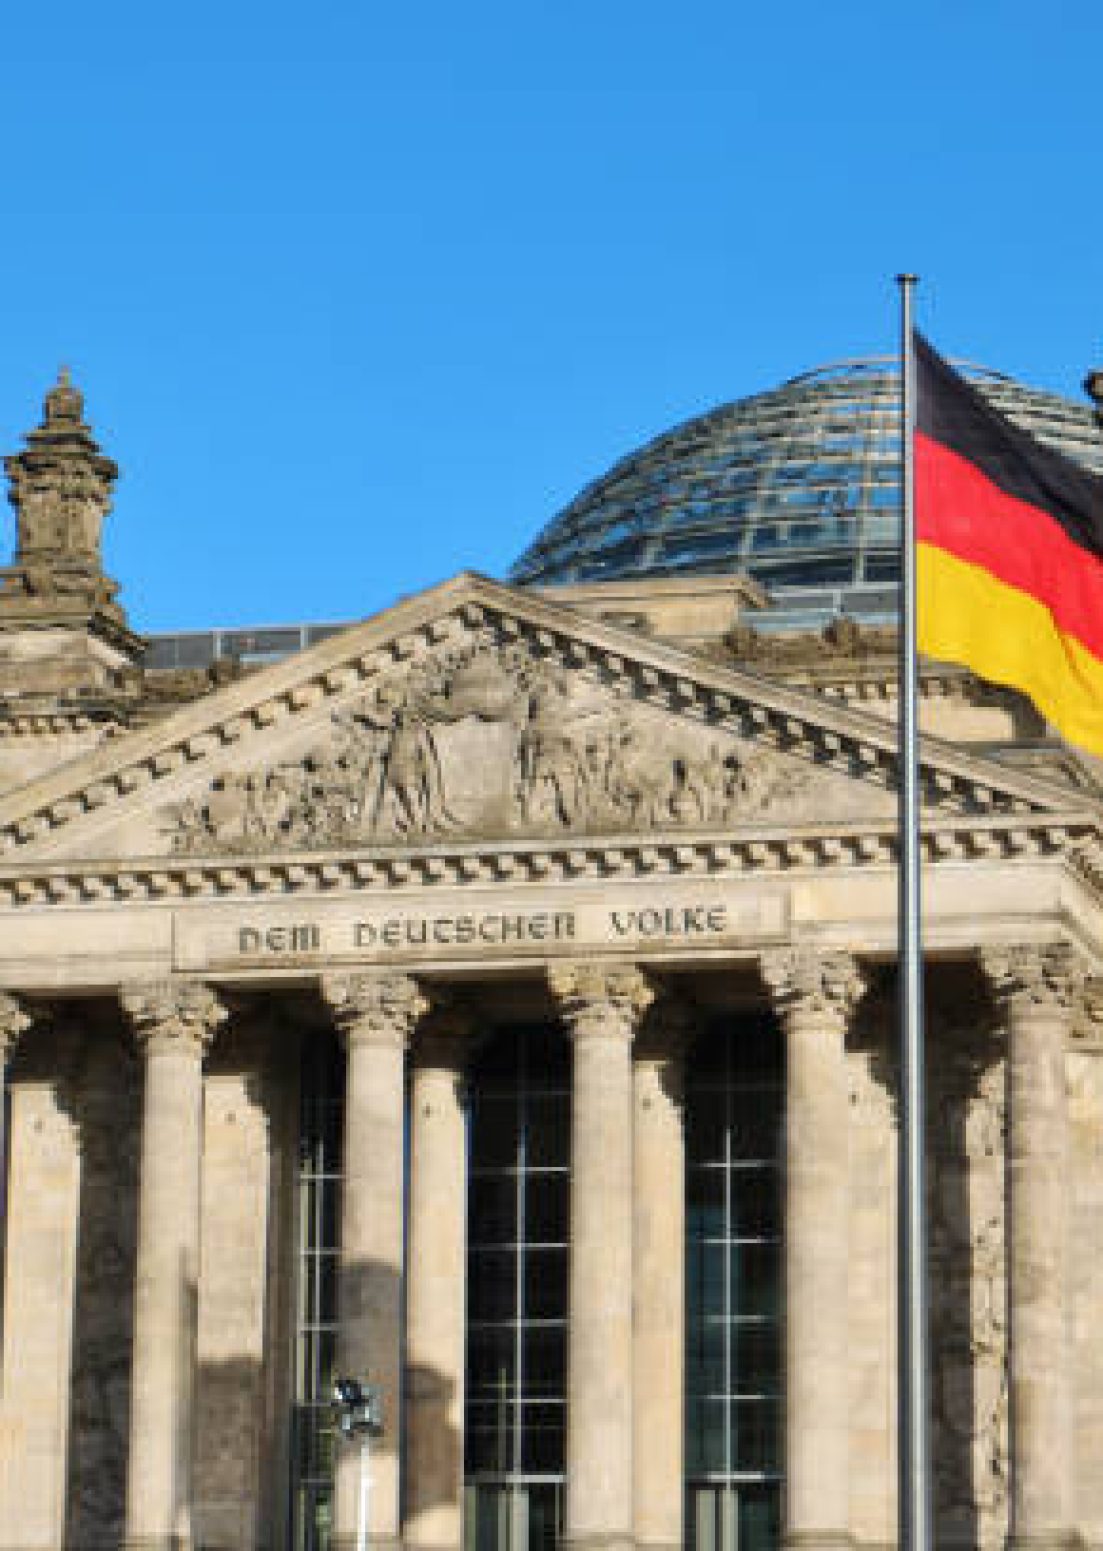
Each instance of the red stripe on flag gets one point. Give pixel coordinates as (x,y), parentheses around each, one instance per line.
(959,509)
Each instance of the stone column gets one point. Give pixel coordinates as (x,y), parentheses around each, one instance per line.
(14,1021)
(1036,988)
(435,1286)
(375,1015)
(602,1006)
(658,1222)
(815,993)
(173,1024)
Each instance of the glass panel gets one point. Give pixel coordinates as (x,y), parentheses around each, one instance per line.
(754,1274)
(546,1283)
(544,1360)
(492,1209)
(492,1361)
(494,1132)
(491,1290)
(547,1208)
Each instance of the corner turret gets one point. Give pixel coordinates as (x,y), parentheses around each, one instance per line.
(60,626)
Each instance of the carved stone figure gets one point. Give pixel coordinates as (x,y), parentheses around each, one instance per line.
(490,743)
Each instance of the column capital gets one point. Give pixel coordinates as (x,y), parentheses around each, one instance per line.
(15,1020)
(601,1001)
(806,982)
(1036,980)
(375,1008)
(172,1015)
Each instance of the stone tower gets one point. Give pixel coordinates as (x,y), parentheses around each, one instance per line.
(61,629)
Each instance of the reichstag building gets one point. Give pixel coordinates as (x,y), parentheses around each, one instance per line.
(493,1000)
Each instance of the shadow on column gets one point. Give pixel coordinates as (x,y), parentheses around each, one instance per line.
(965,1130)
(106,1106)
(966,1112)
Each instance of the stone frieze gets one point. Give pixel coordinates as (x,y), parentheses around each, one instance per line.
(481,741)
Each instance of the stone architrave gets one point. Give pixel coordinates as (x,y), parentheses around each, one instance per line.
(658,1274)
(1037,989)
(434,1388)
(815,993)
(173,1024)
(375,1015)
(602,1006)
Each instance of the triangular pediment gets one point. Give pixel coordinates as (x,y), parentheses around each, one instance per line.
(480,712)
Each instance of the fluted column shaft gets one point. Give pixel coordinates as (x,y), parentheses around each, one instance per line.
(658,1275)
(375,1016)
(815,993)
(1036,988)
(173,1025)
(602,1008)
(435,1288)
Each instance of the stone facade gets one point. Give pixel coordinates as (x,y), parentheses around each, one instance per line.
(485,809)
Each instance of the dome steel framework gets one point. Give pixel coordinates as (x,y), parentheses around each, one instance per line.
(799,487)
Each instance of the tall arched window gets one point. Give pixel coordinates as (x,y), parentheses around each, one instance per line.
(733,1285)
(517,1249)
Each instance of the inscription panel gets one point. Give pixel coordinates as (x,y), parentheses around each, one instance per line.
(523,923)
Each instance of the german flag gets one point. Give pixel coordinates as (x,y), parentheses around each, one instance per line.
(1009,557)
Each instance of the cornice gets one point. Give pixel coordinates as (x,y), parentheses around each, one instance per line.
(783,850)
(722,697)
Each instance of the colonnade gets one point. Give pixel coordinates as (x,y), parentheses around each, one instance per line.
(401,1282)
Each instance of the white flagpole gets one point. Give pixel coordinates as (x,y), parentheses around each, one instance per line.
(914,1383)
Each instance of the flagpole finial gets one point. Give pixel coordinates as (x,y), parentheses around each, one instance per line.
(905,277)
(1093,387)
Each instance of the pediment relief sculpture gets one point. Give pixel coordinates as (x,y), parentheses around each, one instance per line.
(482,741)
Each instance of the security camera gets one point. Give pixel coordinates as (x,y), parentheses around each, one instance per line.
(359,1408)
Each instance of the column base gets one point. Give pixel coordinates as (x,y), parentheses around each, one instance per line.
(612,1542)
(157,1543)
(376,1542)
(818,1540)
(1049,1540)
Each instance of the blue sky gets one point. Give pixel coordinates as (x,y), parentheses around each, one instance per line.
(361,295)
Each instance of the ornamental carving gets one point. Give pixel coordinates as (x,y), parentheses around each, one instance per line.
(812,983)
(490,741)
(599,1000)
(14,1021)
(1042,978)
(61,491)
(172,1015)
(373,1008)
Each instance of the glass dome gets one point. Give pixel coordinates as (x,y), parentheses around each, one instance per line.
(799,487)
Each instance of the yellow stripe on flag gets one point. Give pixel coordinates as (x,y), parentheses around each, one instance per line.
(967,615)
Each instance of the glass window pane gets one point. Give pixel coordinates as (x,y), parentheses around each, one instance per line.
(494,1132)
(548,1137)
(705,1358)
(543,1433)
(705,1437)
(491,1275)
(755,1434)
(492,1209)
(756,1358)
(545,1361)
(545,1283)
(756,1203)
(754,1279)
(705,1278)
(706,1202)
(547,1207)
(492,1362)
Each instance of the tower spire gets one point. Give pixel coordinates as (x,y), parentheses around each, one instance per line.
(55,591)
(61,488)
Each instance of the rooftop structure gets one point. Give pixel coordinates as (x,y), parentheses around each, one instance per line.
(798,487)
